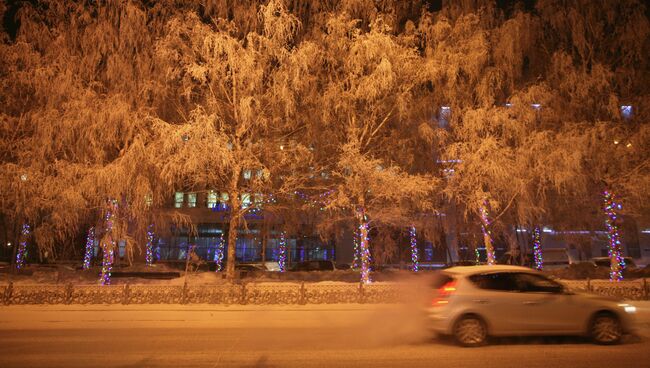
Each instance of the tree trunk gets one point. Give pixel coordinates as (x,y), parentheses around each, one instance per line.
(487,236)
(364,247)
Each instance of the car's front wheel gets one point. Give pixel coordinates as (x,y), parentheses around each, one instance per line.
(606,329)
(470,331)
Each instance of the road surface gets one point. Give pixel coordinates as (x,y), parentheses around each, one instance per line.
(279,336)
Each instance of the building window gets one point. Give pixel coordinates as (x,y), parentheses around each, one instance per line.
(223,201)
(259,200)
(245,200)
(212,199)
(247,175)
(626,111)
(444,115)
(191,199)
(178,199)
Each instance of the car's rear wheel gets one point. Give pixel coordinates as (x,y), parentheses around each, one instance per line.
(606,329)
(470,331)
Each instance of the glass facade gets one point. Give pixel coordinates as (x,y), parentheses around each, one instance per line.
(248,246)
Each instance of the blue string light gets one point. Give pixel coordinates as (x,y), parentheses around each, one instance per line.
(357,253)
(537,249)
(108,247)
(282,252)
(415,266)
(149,258)
(218,254)
(364,248)
(90,243)
(611,208)
(487,235)
(21,253)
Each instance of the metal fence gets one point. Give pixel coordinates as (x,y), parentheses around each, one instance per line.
(258,294)
(632,290)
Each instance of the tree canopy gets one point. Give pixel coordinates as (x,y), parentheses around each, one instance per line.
(396,107)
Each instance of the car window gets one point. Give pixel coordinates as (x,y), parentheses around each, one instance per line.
(532,283)
(498,281)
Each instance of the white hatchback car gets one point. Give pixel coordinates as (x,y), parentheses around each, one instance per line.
(472,303)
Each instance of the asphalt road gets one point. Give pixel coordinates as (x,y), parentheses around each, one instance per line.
(289,337)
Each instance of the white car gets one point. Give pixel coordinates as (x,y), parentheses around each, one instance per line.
(472,303)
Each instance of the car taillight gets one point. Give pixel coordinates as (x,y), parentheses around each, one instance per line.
(444,292)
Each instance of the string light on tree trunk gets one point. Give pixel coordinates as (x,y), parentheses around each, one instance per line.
(357,254)
(414,250)
(21,253)
(108,244)
(218,254)
(149,246)
(487,235)
(90,244)
(282,252)
(107,266)
(611,208)
(537,249)
(364,248)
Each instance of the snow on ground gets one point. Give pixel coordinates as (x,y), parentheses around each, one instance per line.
(70,273)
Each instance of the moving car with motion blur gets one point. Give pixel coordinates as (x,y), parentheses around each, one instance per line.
(607,262)
(314,266)
(474,302)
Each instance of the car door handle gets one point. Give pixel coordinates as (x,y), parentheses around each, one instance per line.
(480,301)
(531,302)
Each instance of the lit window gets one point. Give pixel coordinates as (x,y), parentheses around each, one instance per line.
(247,175)
(626,111)
(212,199)
(536,106)
(148,200)
(258,200)
(245,200)
(259,173)
(223,201)
(191,199)
(444,115)
(178,199)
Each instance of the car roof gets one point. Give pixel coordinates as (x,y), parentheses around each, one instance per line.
(469,270)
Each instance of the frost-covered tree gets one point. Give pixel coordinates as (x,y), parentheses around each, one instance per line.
(238,104)
(370,79)
(77,81)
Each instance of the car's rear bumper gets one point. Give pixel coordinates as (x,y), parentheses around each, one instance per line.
(438,321)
